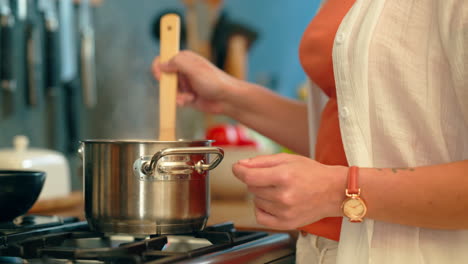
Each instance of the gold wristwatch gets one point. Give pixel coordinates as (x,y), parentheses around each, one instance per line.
(354,206)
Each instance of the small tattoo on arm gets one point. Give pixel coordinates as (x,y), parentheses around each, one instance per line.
(395,170)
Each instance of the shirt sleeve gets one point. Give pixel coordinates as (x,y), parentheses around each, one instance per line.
(453,26)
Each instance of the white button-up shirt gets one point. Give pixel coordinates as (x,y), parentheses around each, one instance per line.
(401,70)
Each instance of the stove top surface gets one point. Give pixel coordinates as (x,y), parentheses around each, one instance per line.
(41,239)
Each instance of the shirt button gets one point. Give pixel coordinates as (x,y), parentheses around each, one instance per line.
(340,38)
(344,112)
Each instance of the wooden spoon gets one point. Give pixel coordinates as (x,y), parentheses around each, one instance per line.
(169,46)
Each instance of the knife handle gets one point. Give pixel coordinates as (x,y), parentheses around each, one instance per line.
(7,23)
(169,46)
(52,56)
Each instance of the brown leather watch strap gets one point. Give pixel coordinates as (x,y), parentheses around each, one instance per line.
(353,180)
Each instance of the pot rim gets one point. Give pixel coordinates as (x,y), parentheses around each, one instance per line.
(139,141)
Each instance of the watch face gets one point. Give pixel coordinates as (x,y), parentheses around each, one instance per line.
(354,208)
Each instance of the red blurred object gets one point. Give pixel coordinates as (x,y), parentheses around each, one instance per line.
(243,138)
(224,135)
(229,135)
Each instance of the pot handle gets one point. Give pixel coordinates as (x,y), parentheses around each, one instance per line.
(149,167)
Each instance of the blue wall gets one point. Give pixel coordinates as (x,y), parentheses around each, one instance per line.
(280,25)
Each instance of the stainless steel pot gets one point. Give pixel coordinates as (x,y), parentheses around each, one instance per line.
(147,187)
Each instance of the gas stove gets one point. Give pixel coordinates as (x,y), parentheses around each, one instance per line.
(55,240)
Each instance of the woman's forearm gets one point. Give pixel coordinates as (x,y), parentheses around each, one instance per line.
(431,196)
(281,119)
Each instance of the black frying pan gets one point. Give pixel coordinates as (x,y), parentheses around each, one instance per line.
(18,192)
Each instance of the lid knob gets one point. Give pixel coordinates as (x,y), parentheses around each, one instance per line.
(20,142)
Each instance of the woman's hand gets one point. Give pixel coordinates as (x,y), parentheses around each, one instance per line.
(208,89)
(291,191)
(201,84)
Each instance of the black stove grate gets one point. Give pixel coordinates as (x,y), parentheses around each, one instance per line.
(77,242)
(33,222)
(23,235)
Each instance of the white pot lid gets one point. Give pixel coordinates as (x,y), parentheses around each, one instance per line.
(20,156)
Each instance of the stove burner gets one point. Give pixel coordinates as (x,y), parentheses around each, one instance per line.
(76,243)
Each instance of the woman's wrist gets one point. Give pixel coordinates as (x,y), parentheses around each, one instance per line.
(337,190)
(233,93)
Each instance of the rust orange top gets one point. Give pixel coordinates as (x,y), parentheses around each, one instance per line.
(315,54)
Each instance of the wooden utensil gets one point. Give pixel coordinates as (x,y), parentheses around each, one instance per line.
(169,46)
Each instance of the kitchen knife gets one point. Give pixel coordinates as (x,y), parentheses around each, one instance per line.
(87,61)
(22,9)
(70,78)
(33,55)
(7,78)
(169,47)
(52,48)
(52,74)
(7,23)
(68,40)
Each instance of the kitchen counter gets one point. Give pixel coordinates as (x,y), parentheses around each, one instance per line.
(240,212)
(70,205)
